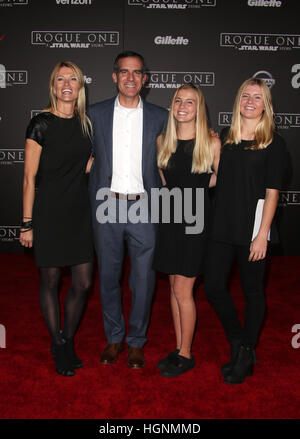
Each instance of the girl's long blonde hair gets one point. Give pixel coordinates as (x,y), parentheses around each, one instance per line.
(203,154)
(80,105)
(264,129)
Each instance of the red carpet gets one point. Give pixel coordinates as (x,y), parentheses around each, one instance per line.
(30,387)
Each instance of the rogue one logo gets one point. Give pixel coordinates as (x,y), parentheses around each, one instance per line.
(171,41)
(12,77)
(265,3)
(4,3)
(225,118)
(9,233)
(11,156)
(287,120)
(171,4)
(177,79)
(289,198)
(260,42)
(282,120)
(75,40)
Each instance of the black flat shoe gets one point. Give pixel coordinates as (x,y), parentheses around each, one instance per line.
(62,363)
(178,366)
(76,363)
(165,361)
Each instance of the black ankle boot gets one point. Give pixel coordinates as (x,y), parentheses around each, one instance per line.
(242,367)
(234,350)
(62,363)
(75,361)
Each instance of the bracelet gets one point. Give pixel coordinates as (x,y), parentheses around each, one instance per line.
(26,224)
(26,230)
(27,217)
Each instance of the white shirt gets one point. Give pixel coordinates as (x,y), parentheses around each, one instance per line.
(127,149)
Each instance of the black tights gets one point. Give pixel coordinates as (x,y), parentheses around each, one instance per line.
(74,303)
(218,263)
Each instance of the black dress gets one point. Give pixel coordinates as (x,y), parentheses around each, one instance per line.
(243,177)
(176,251)
(61,211)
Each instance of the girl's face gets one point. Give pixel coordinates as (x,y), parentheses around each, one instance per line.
(185,105)
(252,104)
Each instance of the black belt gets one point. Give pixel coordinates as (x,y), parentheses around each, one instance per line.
(129,197)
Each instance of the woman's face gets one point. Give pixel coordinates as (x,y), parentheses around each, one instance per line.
(66,85)
(185,105)
(252,104)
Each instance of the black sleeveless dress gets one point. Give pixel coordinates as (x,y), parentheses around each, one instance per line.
(176,251)
(62,232)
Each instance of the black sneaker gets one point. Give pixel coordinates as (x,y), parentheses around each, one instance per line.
(178,366)
(165,361)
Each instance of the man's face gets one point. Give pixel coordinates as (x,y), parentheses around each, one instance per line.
(129,79)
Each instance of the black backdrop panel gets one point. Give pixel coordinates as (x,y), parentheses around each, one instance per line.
(214,43)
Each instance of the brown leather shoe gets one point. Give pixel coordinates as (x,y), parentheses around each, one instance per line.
(111,353)
(135,358)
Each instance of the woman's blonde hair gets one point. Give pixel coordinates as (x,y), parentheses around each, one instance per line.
(203,151)
(80,105)
(263,134)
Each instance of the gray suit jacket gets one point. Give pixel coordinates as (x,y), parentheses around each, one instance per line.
(101,115)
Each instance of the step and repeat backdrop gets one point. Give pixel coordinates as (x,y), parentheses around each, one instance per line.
(216,44)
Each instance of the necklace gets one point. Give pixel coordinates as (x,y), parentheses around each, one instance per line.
(66,114)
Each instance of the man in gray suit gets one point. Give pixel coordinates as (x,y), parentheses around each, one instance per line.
(125,131)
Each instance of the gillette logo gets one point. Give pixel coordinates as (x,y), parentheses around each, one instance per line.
(170,41)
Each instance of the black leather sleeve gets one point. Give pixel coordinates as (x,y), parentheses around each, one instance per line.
(38,126)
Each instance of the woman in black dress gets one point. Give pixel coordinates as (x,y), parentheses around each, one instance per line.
(252,165)
(56,216)
(187,155)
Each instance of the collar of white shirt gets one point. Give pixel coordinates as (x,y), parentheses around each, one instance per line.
(120,107)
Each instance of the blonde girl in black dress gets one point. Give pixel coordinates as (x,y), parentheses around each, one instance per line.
(188,156)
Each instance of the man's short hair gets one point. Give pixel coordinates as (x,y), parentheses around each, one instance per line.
(127,54)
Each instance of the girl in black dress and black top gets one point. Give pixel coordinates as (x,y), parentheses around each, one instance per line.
(251,170)
(56,217)
(187,155)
